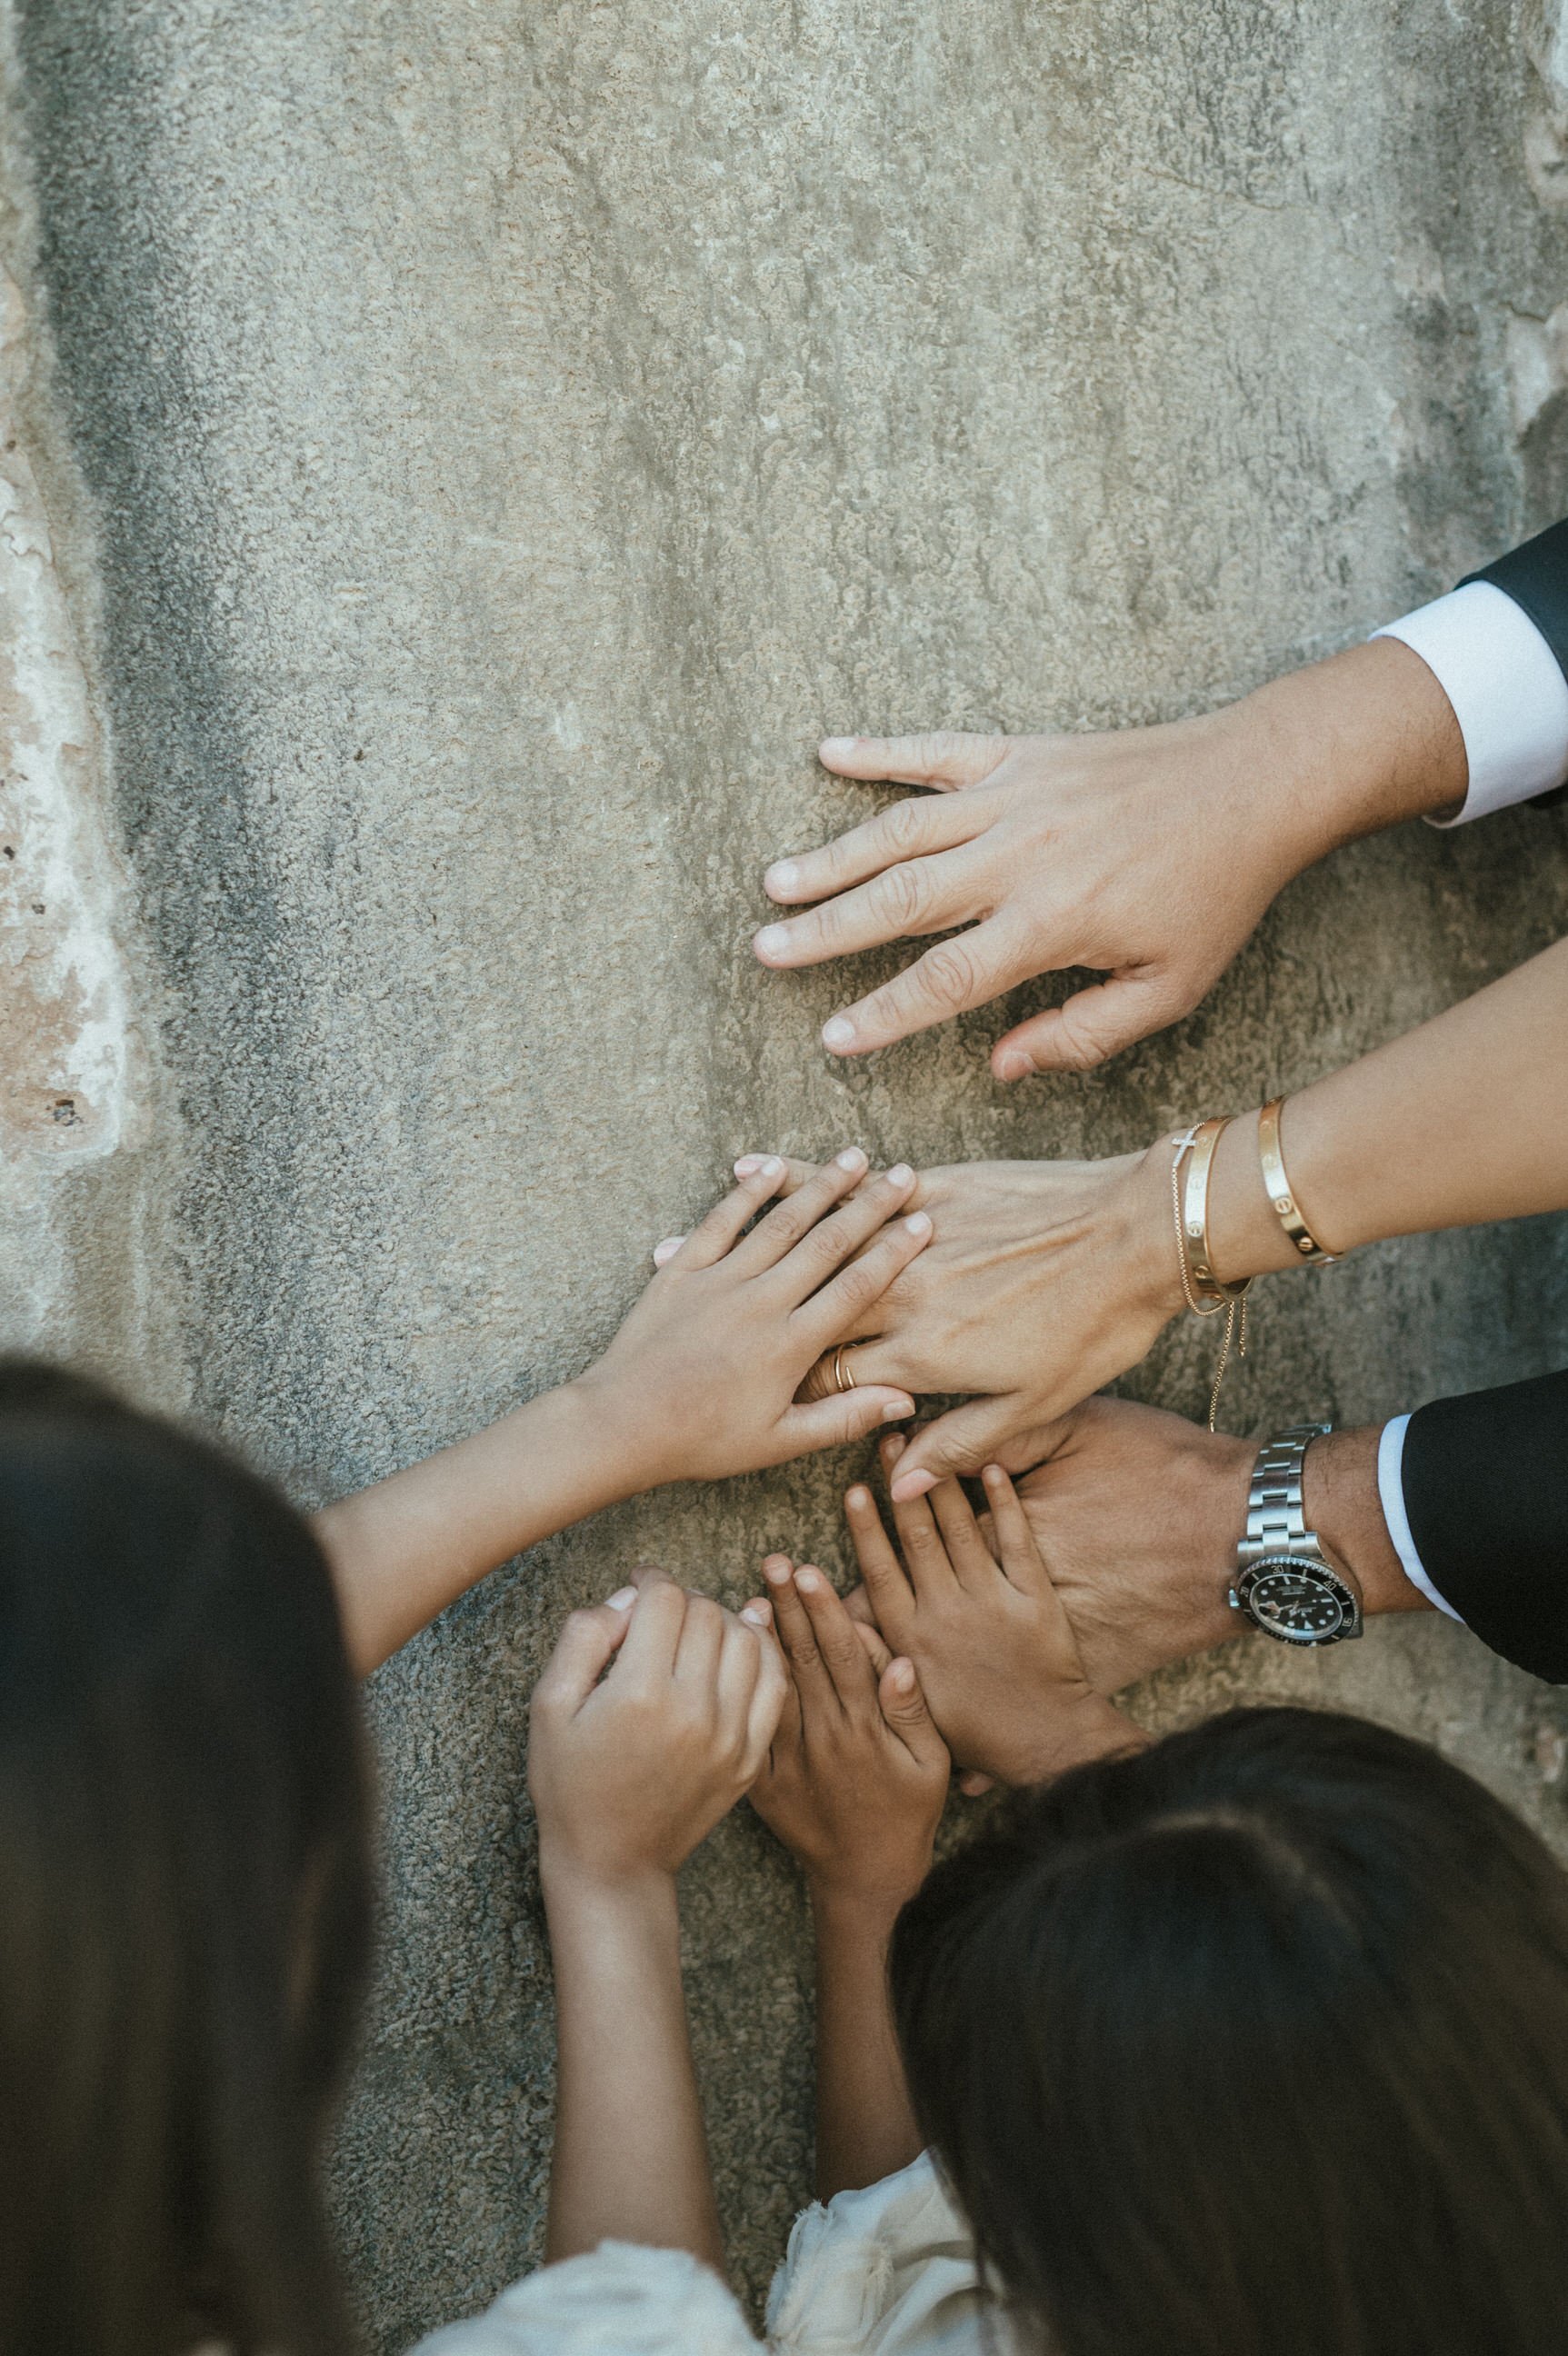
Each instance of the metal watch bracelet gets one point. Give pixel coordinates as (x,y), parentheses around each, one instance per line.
(1276,1516)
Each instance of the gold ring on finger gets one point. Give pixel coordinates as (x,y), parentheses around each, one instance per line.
(844,1380)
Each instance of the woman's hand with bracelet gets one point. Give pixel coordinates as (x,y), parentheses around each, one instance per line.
(1042,1282)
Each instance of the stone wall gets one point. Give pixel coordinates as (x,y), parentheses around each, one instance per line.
(472,449)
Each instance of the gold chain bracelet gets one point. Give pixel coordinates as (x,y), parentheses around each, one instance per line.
(1202,1290)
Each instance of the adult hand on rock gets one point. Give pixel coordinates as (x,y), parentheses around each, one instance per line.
(1148,856)
(1042,1282)
(1137,1513)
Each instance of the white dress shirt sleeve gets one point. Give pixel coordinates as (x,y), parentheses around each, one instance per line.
(1390,1491)
(1508,690)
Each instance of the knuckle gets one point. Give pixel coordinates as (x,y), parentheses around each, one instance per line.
(905,826)
(948,974)
(859,1283)
(1078,1048)
(900,895)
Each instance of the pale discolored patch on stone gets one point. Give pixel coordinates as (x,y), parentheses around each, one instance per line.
(63,1011)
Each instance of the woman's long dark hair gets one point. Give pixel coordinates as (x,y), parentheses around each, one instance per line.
(1254,2044)
(184,1892)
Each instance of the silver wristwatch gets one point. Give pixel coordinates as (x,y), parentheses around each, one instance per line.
(1287,1583)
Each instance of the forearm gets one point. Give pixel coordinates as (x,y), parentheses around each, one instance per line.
(866,2126)
(404,1549)
(1361,741)
(631,2159)
(1461,1121)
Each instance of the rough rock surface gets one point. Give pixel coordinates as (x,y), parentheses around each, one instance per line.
(485,444)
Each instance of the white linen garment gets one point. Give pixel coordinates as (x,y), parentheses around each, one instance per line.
(889,2271)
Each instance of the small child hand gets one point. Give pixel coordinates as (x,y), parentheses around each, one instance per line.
(985,1629)
(629,1771)
(857,1774)
(701,1381)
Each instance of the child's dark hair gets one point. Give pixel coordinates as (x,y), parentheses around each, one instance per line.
(184,1924)
(1254,2044)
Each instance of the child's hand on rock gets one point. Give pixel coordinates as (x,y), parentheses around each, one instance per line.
(629,1770)
(701,1381)
(985,1629)
(856,1774)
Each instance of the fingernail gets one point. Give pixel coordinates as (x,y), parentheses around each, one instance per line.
(623,1599)
(835,748)
(771,941)
(756,1614)
(900,1174)
(747,1165)
(857,1498)
(666,1249)
(897,1409)
(782,876)
(772,1168)
(918,1222)
(1014,1064)
(809,1581)
(839,1033)
(893,1449)
(991,1473)
(912,1485)
(777,1574)
(901,1678)
(851,1157)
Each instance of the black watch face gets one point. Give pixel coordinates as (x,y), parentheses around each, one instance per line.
(1293,1601)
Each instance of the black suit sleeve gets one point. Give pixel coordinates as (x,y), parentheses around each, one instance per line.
(1485,1492)
(1536,577)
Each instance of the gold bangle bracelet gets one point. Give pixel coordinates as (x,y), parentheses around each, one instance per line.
(1195,1214)
(1277,1185)
(1189,1207)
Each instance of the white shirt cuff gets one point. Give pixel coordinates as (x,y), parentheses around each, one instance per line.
(1507,688)
(1390,1490)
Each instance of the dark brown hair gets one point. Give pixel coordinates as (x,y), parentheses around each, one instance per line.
(1254,2044)
(185,1921)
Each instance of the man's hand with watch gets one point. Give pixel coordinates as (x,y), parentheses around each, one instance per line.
(1150,1525)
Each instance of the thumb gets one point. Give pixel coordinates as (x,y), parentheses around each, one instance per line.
(848,1415)
(958,1442)
(1094,1025)
(584,1650)
(904,1707)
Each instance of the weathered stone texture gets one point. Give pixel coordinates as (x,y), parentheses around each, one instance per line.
(503,436)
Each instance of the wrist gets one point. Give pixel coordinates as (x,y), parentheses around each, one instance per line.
(1071,1734)
(857,1908)
(621,1432)
(1149,1245)
(1361,741)
(578,1885)
(1341,1501)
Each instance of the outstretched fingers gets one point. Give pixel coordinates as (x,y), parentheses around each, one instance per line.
(791,1220)
(716,1235)
(967,969)
(810,1671)
(867,1246)
(911,896)
(949,759)
(910,830)
(887,1588)
(838,1644)
(1017,1545)
(973,1564)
